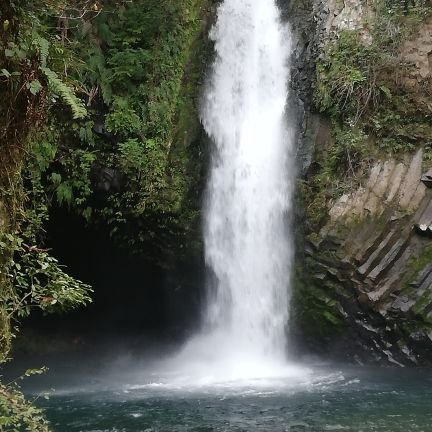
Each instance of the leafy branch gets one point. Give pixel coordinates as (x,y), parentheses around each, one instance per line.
(38,281)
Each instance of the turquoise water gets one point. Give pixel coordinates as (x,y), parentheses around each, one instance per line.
(356,400)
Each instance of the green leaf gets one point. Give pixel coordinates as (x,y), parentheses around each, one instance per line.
(36,371)
(5,420)
(386,91)
(66,93)
(6,73)
(34,86)
(56,178)
(64,193)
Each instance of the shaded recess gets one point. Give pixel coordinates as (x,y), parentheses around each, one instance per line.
(135,300)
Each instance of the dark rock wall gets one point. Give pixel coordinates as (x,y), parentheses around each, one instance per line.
(363,289)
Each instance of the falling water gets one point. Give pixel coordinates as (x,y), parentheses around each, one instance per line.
(248,246)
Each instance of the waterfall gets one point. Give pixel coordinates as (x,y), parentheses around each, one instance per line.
(247,237)
(248,244)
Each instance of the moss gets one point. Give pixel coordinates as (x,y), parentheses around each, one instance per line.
(414,268)
(339,169)
(5,331)
(415,265)
(331,318)
(397,129)
(185,158)
(418,308)
(314,238)
(315,309)
(315,205)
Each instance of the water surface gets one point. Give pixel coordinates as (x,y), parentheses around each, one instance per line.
(354,400)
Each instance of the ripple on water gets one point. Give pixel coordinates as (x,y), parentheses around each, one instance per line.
(325,402)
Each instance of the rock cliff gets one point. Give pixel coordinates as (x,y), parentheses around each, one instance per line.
(364,289)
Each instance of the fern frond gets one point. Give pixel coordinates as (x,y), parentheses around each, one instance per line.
(43,47)
(65,92)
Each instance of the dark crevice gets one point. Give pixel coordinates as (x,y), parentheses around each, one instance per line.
(134,299)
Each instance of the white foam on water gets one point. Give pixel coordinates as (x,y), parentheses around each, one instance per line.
(292,383)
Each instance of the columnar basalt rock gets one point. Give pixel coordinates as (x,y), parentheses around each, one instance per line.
(371,251)
(365,292)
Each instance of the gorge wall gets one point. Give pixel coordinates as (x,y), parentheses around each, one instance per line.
(135,163)
(364,290)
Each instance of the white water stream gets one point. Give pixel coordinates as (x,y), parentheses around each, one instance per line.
(248,244)
(247,238)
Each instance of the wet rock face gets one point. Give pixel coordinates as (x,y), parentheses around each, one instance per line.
(427,178)
(376,269)
(418,51)
(368,290)
(365,279)
(314,24)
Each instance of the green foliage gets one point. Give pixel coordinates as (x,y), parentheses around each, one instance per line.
(38,281)
(43,46)
(29,83)
(349,82)
(349,154)
(137,65)
(26,56)
(73,185)
(129,75)
(138,160)
(359,89)
(122,120)
(399,128)
(314,203)
(58,87)
(315,307)
(18,414)
(339,169)
(353,74)
(396,20)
